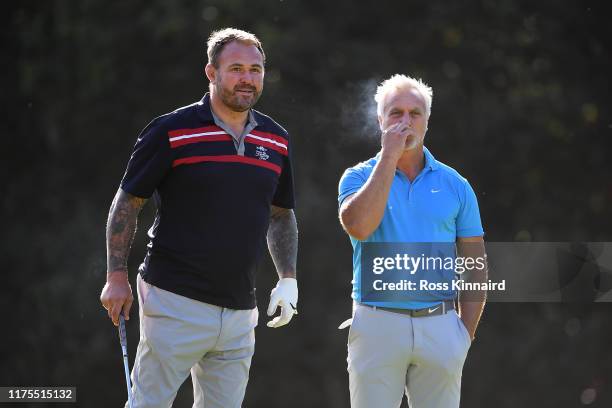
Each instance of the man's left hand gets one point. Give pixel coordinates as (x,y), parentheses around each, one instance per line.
(285,295)
(471,330)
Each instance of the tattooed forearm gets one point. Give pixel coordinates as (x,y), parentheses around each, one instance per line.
(283,241)
(120,229)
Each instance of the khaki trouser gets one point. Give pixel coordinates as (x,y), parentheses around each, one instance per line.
(179,335)
(391,353)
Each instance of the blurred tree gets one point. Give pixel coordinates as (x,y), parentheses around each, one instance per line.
(521,107)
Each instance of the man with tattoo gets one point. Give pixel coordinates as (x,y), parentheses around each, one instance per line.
(221,176)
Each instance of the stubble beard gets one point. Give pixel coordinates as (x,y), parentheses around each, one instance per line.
(235,101)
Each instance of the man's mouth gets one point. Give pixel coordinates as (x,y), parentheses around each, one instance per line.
(245,91)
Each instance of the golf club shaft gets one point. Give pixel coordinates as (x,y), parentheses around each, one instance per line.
(126,367)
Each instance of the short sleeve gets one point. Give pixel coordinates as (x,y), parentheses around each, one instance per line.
(150,161)
(284,194)
(350,182)
(468,218)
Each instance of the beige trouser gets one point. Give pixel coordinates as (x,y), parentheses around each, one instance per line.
(391,353)
(179,335)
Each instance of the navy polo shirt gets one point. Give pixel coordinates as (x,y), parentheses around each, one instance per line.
(213,202)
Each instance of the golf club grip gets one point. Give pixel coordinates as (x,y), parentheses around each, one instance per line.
(122,332)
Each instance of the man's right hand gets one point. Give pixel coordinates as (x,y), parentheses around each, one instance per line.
(393,140)
(117,296)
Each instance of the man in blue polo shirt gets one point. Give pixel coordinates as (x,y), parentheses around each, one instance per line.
(416,343)
(221,176)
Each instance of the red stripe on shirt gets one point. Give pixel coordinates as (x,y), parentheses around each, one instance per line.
(228,159)
(197,139)
(269,145)
(185,132)
(272,136)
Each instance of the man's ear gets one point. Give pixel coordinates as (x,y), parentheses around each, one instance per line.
(211,72)
(380,122)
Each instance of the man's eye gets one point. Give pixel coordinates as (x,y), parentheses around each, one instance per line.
(236,69)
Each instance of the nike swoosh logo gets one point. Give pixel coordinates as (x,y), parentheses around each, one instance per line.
(430,310)
(435,191)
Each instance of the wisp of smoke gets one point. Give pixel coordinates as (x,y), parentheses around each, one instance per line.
(358,113)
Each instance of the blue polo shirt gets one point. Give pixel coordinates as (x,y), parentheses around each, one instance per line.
(438,206)
(213,200)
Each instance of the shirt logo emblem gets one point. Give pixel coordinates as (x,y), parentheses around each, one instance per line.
(435,191)
(262,153)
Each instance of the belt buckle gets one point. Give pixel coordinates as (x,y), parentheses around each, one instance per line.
(420,312)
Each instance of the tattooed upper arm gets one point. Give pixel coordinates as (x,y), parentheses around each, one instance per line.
(120,229)
(136,202)
(278,211)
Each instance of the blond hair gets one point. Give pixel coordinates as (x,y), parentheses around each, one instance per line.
(402,82)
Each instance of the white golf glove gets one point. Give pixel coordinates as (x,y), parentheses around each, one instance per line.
(284,294)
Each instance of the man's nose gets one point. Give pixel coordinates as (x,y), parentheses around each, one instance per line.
(408,120)
(247,77)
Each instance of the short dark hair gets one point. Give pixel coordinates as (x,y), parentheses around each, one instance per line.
(220,38)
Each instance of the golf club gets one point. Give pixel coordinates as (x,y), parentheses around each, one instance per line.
(123,340)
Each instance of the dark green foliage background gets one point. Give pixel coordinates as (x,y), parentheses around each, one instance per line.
(521,108)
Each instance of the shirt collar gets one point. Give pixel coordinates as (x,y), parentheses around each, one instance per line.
(430,161)
(204,111)
(252,123)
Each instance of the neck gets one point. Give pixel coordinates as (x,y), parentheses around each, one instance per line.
(223,112)
(412,162)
